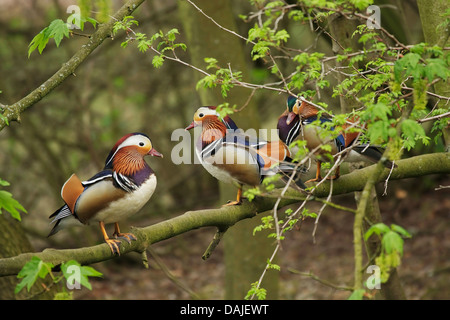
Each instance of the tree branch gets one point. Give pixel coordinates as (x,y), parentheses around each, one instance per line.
(225,217)
(12,112)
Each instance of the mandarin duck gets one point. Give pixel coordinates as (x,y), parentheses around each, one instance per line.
(120,190)
(296,123)
(234,157)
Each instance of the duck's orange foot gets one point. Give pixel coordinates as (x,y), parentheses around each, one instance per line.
(314,180)
(232,203)
(126,236)
(113,245)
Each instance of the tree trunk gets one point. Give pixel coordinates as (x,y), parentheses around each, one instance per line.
(431,15)
(341,30)
(392,289)
(245,254)
(12,243)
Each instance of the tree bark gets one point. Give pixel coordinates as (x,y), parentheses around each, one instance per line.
(431,15)
(12,243)
(341,30)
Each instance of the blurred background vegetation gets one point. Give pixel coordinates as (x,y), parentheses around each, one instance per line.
(117,91)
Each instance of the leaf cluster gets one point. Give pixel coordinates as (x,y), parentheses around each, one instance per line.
(37,269)
(57,30)
(391,246)
(165,42)
(225,77)
(257,291)
(8,203)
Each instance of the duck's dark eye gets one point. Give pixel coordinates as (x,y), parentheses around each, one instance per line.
(141,144)
(201,115)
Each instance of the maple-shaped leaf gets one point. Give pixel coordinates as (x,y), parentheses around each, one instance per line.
(31,271)
(57,30)
(8,203)
(77,274)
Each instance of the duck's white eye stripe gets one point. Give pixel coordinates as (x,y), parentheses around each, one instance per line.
(133,140)
(136,140)
(204,111)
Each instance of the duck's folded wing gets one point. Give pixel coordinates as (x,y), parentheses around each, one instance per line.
(100,191)
(234,155)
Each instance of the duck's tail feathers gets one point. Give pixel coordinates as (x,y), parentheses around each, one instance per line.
(62,218)
(289,167)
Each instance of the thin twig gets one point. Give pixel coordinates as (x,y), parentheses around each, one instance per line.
(387,179)
(322,281)
(218,25)
(439,116)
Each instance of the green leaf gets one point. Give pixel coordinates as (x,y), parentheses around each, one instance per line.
(378,131)
(57,30)
(357,294)
(409,63)
(11,205)
(400,230)
(267,223)
(436,68)
(92,21)
(171,34)
(260,293)
(5,119)
(212,63)
(273,266)
(378,228)
(307,213)
(64,295)
(411,131)
(326,147)
(157,61)
(31,271)
(410,128)
(225,109)
(392,242)
(143,45)
(38,41)
(379,110)
(208,81)
(73,271)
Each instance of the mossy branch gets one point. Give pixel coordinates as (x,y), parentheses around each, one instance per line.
(12,112)
(225,217)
